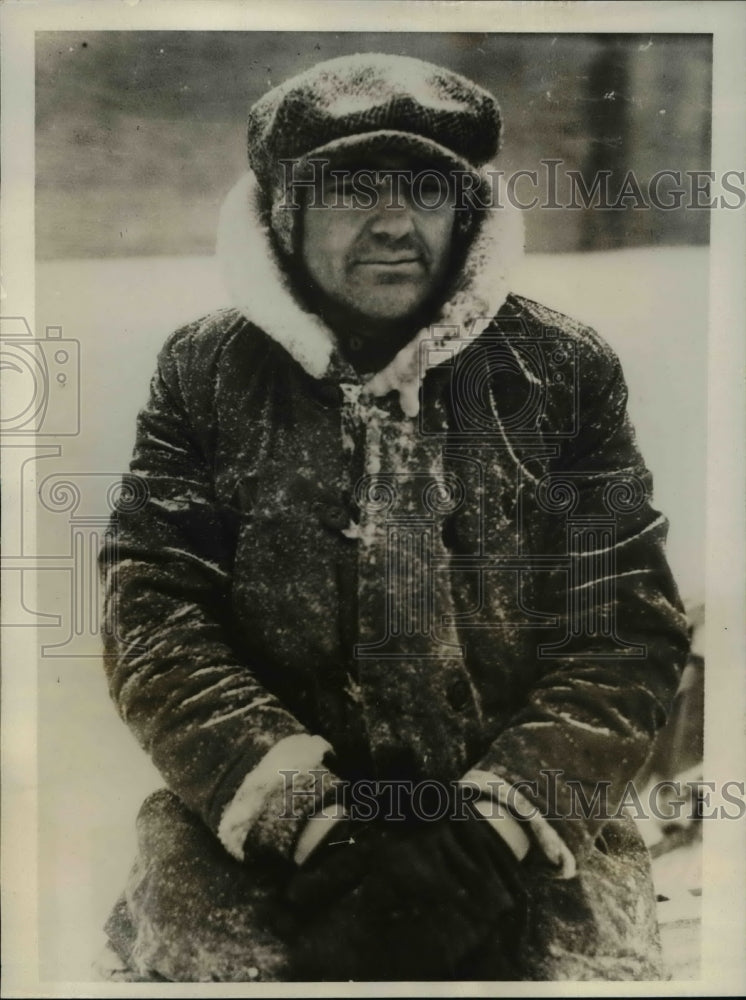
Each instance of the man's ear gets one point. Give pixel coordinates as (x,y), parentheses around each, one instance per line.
(465,227)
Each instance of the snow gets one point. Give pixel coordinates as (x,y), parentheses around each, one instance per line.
(650,304)
(678,883)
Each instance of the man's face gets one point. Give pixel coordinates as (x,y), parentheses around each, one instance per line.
(377,245)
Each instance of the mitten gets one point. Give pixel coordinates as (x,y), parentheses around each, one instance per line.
(431,896)
(337,865)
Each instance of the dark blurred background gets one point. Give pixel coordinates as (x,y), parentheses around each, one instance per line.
(140,133)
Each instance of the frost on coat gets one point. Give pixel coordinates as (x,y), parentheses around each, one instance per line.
(324,575)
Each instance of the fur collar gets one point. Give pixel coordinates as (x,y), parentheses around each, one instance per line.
(261,290)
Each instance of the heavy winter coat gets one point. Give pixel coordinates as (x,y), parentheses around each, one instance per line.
(451,568)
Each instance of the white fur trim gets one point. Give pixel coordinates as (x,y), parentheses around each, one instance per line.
(505,825)
(550,842)
(486,282)
(260,289)
(301,752)
(318,828)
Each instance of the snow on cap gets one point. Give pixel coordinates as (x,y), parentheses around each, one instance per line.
(358,103)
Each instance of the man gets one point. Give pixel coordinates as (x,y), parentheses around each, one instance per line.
(391,615)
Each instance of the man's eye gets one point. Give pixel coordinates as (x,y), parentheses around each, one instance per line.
(340,190)
(433,190)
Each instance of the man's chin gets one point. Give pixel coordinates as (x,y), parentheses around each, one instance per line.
(389,308)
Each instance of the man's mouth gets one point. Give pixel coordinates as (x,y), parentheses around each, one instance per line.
(389,261)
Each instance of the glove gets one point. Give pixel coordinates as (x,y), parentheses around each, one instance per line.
(337,865)
(407,903)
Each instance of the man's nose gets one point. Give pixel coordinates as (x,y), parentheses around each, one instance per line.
(392,216)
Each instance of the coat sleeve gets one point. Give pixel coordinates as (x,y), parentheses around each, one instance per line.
(567,758)
(218,737)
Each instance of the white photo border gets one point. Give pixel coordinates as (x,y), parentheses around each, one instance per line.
(724,898)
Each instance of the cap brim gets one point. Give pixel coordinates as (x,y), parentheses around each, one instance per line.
(419,148)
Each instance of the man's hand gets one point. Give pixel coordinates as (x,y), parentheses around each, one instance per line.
(318,831)
(400,901)
(336,864)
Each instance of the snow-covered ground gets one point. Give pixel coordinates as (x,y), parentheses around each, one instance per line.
(650,304)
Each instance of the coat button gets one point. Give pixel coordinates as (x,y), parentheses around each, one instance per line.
(458,694)
(328,393)
(334,516)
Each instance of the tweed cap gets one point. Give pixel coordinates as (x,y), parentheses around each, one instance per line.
(355,98)
(370,101)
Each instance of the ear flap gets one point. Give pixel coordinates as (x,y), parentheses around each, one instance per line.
(258,285)
(484,284)
(261,290)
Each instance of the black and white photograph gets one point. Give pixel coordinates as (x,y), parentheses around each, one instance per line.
(372,445)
